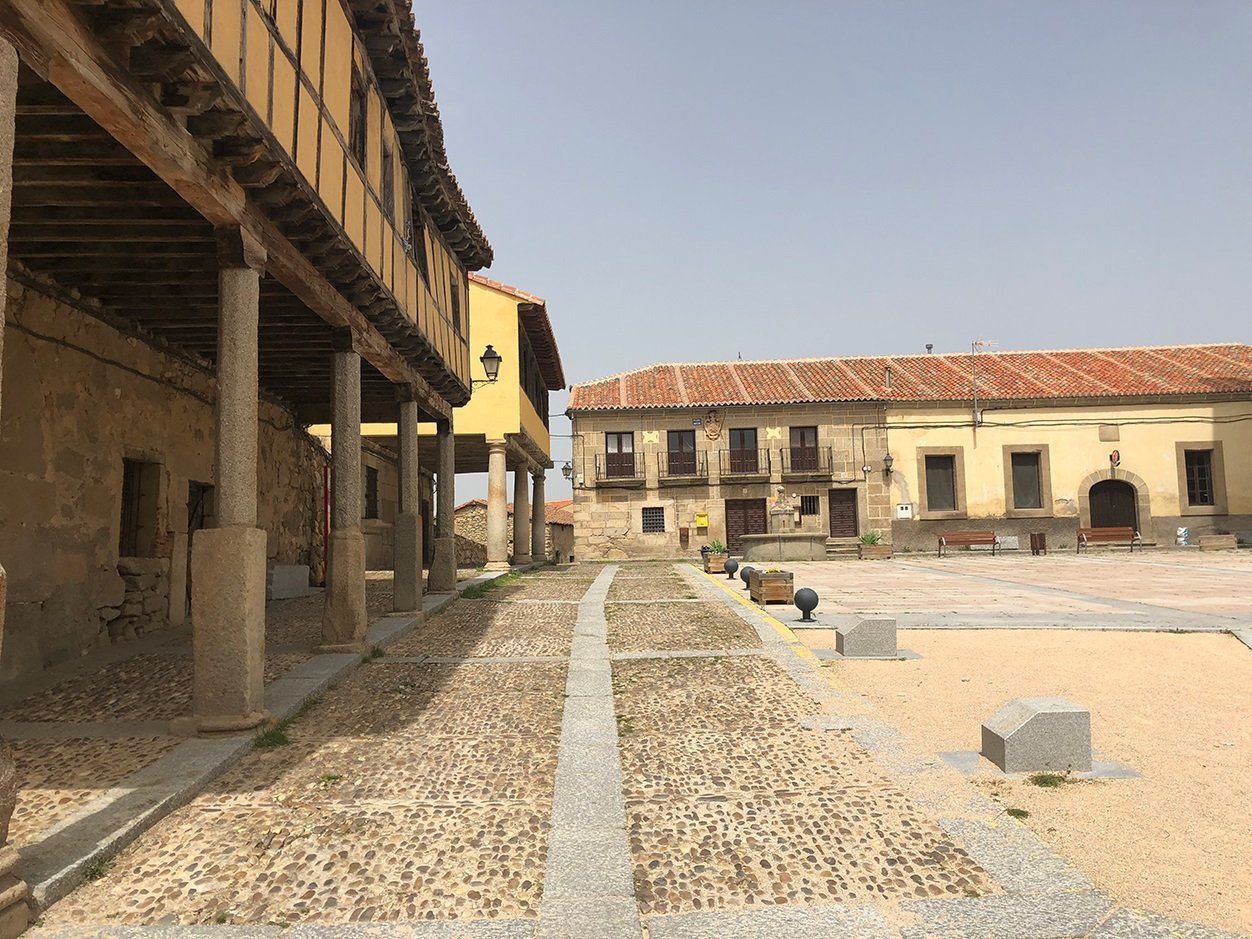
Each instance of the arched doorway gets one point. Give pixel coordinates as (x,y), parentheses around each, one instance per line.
(1114,504)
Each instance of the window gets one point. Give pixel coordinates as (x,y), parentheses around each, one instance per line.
(1198,465)
(653,520)
(619,455)
(804,449)
(417,238)
(1027,480)
(682,453)
(941,483)
(456,305)
(356,118)
(371,492)
(388,184)
(809,505)
(743,455)
(141,488)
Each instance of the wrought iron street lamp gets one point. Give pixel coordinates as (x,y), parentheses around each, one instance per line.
(491,360)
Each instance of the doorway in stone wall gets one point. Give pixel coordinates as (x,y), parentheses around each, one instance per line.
(1114,504)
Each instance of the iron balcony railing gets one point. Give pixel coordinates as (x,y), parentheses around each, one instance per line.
(806,461)
(744,462)
(618,466)
(682,464)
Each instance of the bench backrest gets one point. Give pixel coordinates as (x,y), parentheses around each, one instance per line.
(1107,534)
(968,537)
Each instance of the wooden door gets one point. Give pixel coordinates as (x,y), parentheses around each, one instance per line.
(843,513)
(1114,504)
(744,517)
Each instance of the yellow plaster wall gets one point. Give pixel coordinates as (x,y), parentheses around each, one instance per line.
(314,67)
(1074,452)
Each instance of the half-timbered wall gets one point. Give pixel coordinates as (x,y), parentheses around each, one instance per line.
(296,62)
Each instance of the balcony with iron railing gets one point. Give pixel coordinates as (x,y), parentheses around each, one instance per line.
(744,464)
(619,469)
(676,467)
(798,462)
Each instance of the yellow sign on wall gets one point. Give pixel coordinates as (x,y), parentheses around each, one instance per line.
(702,520)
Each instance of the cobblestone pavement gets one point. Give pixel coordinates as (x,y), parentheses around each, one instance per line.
(525,766)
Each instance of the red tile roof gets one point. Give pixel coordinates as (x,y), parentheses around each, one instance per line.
(1001,376)
(532,312)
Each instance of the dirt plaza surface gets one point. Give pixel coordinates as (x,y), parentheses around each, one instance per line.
(634,749)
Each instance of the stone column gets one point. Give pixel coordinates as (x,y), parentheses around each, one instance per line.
(539,519)
(497,508)
(521,514)
(343,619)
(443,566)
(14,914)
(228,561)
(408,544)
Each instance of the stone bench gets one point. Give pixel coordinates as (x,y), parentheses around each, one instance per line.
(867,639)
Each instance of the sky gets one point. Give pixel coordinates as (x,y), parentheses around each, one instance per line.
(698,181)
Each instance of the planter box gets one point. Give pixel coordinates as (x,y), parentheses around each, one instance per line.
(771,588)
(875,552)
(715,563)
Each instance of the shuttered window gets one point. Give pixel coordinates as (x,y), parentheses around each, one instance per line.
(941,483)
(1027,481)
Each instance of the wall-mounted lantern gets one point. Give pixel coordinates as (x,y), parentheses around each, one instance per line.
(887,462)
(567,470)
(491,360)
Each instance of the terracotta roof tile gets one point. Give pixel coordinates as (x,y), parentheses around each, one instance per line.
(1001,376)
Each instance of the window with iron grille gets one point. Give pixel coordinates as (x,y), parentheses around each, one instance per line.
(1025,472)
(1199,467)
(653,520)
(809,505)
(371,492)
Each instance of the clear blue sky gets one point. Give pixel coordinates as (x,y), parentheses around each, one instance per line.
(698,180)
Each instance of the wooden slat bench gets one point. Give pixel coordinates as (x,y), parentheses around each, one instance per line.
(956,539)
(1089,536)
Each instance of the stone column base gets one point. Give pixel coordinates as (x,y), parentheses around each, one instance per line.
(521,560)
(228,628)
(496,566)
(343,620)
(443,566)
(407,587)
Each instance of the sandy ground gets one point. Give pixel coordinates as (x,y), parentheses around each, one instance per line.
(1177,708)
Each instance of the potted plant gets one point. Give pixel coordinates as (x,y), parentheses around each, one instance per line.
(715,555)
(771,586)
(873,548)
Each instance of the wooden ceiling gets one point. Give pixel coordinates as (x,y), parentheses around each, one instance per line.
(89,216)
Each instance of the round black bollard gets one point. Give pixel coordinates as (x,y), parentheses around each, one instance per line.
(745,573)
(806,602)
(730,567)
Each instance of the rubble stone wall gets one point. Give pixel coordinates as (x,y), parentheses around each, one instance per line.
(79,398)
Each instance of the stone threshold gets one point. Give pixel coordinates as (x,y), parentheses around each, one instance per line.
(57,863)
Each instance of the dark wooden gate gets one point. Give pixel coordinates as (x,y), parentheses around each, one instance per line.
(744,517)
(1114,504)
(843,513)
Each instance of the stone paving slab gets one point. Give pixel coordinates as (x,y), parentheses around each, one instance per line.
(863,922)
(1134,924)
(1054,916)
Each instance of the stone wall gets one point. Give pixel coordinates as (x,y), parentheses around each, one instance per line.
(471,537)
(608,514)
(79,398)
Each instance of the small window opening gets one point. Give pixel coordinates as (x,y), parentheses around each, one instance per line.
(653,520)
(371,492)
(141,486)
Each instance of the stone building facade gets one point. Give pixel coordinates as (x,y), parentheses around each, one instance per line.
(471,533)
(86,406)
(669,457)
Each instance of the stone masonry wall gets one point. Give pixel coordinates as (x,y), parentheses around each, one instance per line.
(79,398)
(608,515)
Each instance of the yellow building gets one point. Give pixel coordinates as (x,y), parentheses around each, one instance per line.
(668,456)
(503,427)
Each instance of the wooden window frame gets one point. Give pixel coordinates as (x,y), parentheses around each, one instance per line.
(1045,509)
(1218,466)
(387,183)
(958,454)
(358,120)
